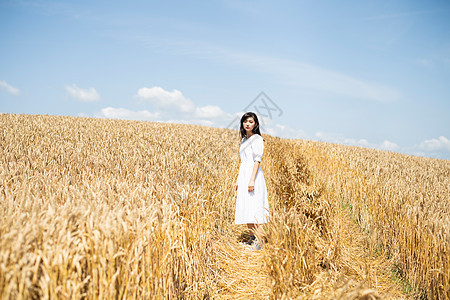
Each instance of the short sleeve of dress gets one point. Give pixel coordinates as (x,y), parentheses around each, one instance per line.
(258,148)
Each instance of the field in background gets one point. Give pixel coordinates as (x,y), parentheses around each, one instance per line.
(402,202)
(95,208)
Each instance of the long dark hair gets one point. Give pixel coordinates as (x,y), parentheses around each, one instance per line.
(245,117)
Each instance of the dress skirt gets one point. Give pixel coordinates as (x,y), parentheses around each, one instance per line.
(251,207)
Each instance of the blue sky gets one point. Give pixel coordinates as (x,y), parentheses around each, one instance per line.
(368,73)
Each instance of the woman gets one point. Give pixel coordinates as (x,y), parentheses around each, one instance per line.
(252,205)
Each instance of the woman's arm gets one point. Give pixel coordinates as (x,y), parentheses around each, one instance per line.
(251,184)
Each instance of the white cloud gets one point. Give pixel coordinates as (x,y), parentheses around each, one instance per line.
(212,116)
(268,126)
(9,88)
(165,99)
(340,139)
(330,137)
(437,148)
(126,114)
(439,144)
(354,142)
(210,111)
(387,145)
(175,107)
(85,95)
(363,142)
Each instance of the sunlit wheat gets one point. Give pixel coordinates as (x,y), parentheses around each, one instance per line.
(109,209)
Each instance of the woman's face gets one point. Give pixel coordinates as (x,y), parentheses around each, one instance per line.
(249,124)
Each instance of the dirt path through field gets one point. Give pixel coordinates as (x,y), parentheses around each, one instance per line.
(360,274)
(244,274)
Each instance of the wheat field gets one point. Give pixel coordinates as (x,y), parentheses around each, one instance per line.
(110,209)
(402,202)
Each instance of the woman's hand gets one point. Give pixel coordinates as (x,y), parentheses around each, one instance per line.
(251,186)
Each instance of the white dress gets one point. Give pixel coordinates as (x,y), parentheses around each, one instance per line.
(251,207)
